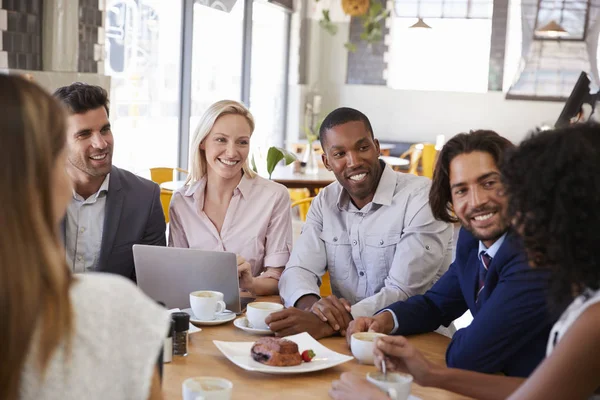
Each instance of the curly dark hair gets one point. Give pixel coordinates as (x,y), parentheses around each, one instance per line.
(81,97)
(553,183)
(440,197)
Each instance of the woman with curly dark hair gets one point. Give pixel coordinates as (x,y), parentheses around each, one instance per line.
(553,183)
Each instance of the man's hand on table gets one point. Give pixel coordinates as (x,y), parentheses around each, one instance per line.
(293,320)
(354,387)
(381,323)
(334,311)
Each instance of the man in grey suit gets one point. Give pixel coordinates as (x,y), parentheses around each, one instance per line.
(112,209)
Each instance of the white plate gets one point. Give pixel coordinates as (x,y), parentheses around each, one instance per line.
(239,354)
(220,318)
(244,325)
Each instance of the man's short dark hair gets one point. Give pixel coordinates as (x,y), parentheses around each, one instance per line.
(80,97)
(341,116)
(440,196)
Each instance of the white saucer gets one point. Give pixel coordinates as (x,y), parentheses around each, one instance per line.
(244,325)
(220,318)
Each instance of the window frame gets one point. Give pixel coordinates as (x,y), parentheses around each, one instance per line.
(185,84)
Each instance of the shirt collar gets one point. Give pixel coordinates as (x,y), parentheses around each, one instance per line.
(493,248)
(103,189)
(384,194)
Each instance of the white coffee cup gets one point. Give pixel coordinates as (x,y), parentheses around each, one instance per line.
(395,384)
(362,345)
(205,304)
(257,312)
(206,388)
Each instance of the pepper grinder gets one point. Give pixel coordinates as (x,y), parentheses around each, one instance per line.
(181,325)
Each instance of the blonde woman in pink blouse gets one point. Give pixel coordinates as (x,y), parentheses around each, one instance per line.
(225,206)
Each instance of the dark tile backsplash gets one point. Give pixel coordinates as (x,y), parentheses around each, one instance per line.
(366,64)
(90,19)
(22,39)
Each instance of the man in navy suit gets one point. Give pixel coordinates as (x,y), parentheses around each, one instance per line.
(112,209)
(489,276)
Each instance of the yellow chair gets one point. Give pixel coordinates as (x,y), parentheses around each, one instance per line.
(165,200)
(301,199)
(423,153)
(164,174)
(325,289)
(160,175)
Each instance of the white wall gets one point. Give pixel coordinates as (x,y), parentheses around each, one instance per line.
(420,116)
(416,115)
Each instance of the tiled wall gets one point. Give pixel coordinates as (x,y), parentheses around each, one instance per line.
(91,20)
(366,65)
(21,34)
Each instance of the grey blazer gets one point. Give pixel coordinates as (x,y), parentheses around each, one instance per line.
(133,215)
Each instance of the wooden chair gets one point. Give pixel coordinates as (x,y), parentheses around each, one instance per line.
(325,289)
(160,175)
(424,154)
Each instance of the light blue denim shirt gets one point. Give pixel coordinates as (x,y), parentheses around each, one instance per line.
(84,228)
(493,248)
(387,251)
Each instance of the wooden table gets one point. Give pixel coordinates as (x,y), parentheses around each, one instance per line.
(204,359)
(312,182)
(385,148)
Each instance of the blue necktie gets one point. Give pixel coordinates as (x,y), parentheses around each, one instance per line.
(486,260)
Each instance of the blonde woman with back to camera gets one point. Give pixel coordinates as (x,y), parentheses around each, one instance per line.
(225,206)
(62,337)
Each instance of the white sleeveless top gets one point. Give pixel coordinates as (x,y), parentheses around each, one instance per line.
(118,333)
(568,318)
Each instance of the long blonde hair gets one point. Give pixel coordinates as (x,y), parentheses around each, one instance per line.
(34,278)
(197,163)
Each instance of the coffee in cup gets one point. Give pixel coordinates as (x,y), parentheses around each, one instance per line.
(205,304)
(362,345)
(257,312)
(396,384)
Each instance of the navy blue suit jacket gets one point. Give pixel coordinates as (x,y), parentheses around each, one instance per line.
(511,321)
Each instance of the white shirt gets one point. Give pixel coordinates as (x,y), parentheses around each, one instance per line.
(117,337)
(84,228)
(568,318)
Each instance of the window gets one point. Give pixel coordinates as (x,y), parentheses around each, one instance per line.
(143,56)
(268,82)
(546,66)
(452,56)
(216,58)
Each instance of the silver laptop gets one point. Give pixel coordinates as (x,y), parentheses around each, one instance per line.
(170,274)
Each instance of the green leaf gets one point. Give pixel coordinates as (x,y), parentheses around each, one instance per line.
(253,164)
(276,154)
(326,23)
(351,47)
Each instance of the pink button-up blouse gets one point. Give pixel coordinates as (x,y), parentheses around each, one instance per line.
(257,225)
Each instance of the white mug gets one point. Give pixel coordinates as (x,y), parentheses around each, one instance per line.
(206,388)
(395,384)
(362,345)
(205,304)
(257,312)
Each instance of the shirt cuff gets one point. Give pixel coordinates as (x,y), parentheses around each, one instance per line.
(273,273)
(278,259)
(291,301)
(393,316)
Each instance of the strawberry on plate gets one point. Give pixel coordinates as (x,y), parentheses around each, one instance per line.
(307,355)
